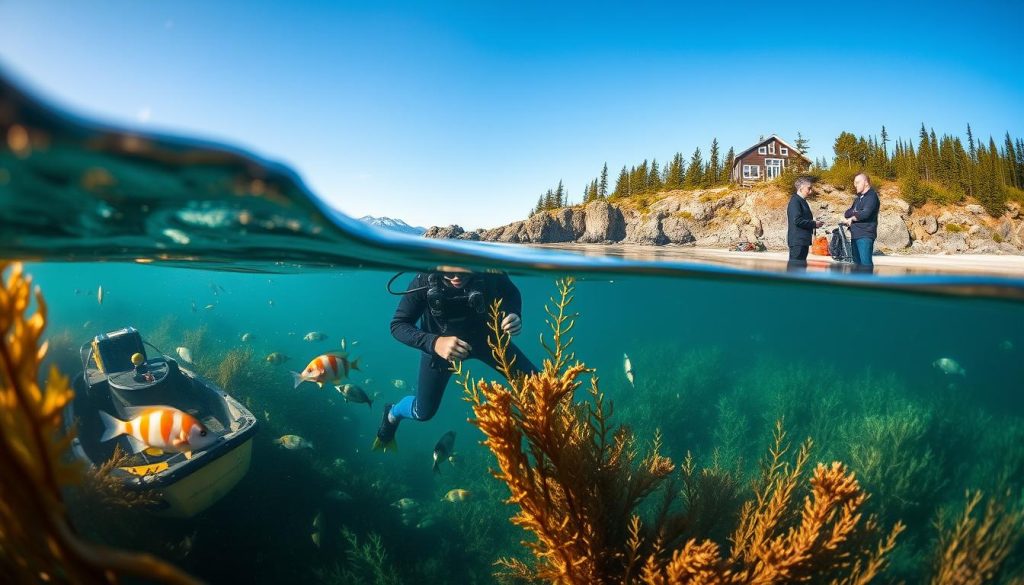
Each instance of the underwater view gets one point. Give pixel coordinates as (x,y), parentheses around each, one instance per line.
(211,374)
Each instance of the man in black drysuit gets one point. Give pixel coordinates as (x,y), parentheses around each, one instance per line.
(452,307)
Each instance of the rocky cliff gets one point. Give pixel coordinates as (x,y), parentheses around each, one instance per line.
(723,216)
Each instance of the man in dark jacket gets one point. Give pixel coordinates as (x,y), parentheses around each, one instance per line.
(801,222)
(451,306)
(862,217)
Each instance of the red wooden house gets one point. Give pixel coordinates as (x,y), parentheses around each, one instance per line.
(766,160)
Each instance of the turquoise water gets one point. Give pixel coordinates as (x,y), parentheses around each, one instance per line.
(169,227)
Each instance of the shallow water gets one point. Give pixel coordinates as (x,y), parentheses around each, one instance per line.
(170,227)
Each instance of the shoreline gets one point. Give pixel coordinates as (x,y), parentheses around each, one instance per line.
(897,264)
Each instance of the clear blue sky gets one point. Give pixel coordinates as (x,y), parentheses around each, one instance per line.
(464,113)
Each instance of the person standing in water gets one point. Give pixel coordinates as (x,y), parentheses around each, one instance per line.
(451,308)
(862,217)
(801,223)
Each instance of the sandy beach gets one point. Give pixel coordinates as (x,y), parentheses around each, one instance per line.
(973,264)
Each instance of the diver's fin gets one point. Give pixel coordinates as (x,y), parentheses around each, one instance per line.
(385,446)
(112,427)
(297,379)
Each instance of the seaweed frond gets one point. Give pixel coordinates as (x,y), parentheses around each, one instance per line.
(234,362)
(36,540)
(368,563)
(102,487)
(975,548)
(579,485)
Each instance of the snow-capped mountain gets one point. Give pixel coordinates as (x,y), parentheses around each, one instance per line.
(393,224)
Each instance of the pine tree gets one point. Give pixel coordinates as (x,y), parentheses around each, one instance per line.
(730,160)
(602,188)
(549,200)
(695,170)
(801,143)
(559,195)
(1010,163)
(970,144)
(622,184)
(654,177)
(711,176)
(924,154)
(845,148)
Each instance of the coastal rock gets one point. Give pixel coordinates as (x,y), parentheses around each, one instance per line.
(676,230)
(954,243)
(774,225)
(1005,228)
(896,203)
(646,231)
(931,225)
(602,222)
(892,232)
(545,227)
(441,233)
(720,217)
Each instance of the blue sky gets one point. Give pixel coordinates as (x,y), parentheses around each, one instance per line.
(464,113)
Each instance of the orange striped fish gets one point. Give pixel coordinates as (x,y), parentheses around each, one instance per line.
(325,368)
(159,427)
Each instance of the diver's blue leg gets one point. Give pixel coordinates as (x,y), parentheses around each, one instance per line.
(432,380)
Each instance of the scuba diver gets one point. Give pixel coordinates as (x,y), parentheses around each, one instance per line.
(451,306)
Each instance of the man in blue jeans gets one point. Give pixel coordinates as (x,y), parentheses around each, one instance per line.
(862,217)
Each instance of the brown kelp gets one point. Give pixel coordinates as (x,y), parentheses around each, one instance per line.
(973,549)
(580,485)
(100,487)
(37,542)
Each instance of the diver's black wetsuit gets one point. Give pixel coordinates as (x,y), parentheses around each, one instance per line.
(459,320)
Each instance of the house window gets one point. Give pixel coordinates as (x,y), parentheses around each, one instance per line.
(751,172)
(771,148)
(784,151)
(762,150)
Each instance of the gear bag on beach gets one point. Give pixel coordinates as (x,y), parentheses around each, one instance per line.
(839,247)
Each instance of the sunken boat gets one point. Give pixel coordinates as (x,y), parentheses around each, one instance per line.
(121,379)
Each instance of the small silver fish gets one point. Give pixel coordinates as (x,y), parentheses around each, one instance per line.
(400,384)
(628,367)
(317,528)
(949,366)
(353,393)
(405,504)
(443,449)
(247,336)
(292,442)
(185,354)
(314,336)
(99,295)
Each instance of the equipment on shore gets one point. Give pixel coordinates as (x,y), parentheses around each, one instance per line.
(839,246)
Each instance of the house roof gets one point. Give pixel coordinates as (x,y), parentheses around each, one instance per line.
(766,141)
